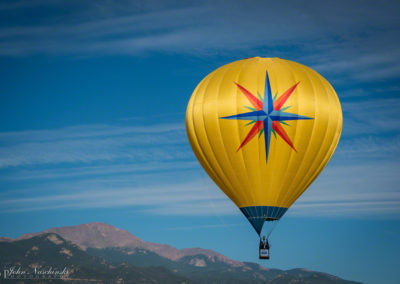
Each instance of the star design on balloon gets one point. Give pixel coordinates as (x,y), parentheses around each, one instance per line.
(268,115)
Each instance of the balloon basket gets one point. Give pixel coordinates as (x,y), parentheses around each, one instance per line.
(264,254)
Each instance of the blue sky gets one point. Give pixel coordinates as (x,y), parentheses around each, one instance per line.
(92,103)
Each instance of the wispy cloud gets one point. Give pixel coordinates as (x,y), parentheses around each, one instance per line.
(22,4)
(376,115)
(85,144)
(371,129)
(345,64)
(368,189)
(133,32)
(82,131)
(345,45)
(131,152)
(193,196)
(369,147)
(85,172)
(360,209)
(352,191)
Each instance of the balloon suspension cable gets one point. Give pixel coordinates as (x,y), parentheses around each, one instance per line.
(274,223)
(273,228)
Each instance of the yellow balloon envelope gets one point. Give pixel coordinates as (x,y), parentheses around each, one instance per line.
(263,129)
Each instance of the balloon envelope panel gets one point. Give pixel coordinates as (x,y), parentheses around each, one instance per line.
(263,129)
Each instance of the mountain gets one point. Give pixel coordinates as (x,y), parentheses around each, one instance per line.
(5,239)
(101,235)
(49,251)
(202,269)
(105,253)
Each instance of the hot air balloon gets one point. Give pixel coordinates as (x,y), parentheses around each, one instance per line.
(263,129)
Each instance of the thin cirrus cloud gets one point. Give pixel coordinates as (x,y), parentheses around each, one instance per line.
(344,64)
(376,115)
(362,190)
(368,189)
(83,172)
(353,195)
(344,43)
(178,195)
(85,144)
(369,147)
(82,131)
(108,143)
